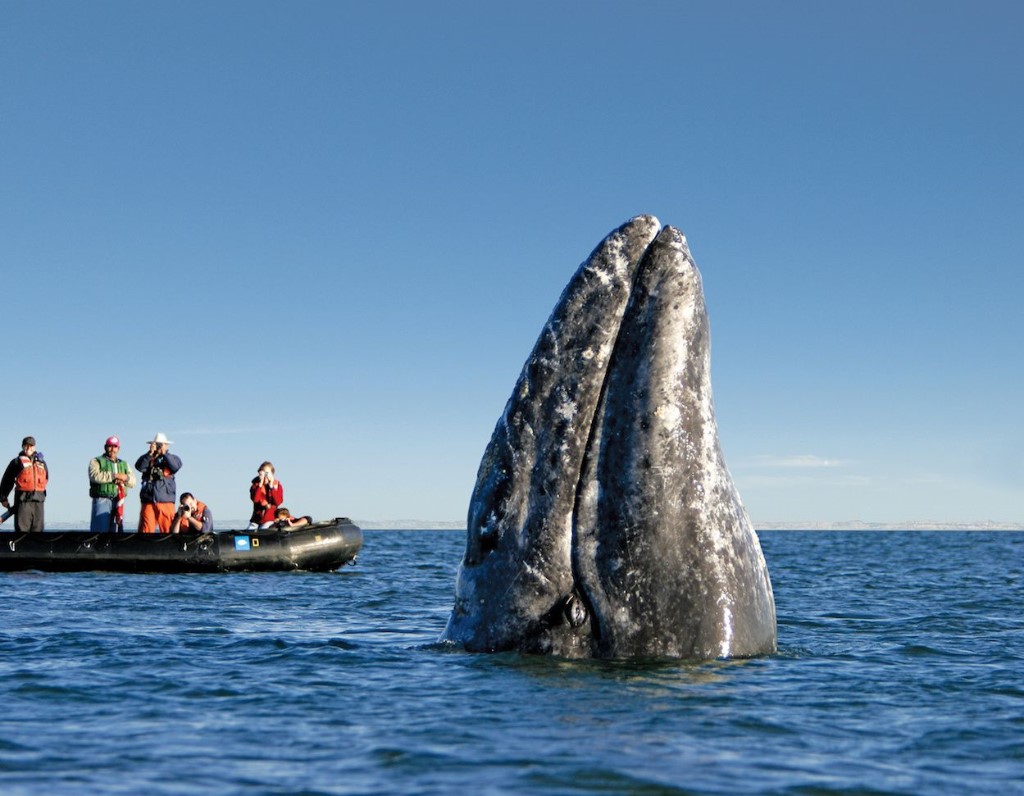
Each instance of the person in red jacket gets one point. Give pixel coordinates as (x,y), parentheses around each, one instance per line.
(266,494)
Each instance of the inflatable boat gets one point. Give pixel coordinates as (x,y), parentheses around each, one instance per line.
(320,547)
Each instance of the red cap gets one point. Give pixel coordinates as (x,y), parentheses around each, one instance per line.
(112,441)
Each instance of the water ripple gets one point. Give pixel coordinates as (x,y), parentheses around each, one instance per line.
(898,672)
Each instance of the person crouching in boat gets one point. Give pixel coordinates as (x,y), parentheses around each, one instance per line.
(109,480)
(158,491)
(192,516)
(285,521)
(27,475)
(266,493)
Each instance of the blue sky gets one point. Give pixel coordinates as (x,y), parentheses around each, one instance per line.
(329,233)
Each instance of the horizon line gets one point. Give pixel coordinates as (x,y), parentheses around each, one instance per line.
(793,525)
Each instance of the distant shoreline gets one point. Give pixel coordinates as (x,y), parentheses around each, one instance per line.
(781,528)
(889,526)
(451,525)
(427,525)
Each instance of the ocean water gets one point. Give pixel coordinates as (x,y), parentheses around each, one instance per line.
(900,671)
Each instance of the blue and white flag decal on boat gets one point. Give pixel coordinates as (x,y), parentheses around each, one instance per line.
(242,543)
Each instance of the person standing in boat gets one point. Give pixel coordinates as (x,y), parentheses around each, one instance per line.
(159,489)
(109,480)
(192,516)
(266,493)
(27,475)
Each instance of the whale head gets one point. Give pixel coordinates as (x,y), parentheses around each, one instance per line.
(604,522)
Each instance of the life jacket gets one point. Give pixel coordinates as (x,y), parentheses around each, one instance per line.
(33,475)
(259,494)
(199,513)
(107,466)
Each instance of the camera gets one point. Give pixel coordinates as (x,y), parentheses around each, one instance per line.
(186,510)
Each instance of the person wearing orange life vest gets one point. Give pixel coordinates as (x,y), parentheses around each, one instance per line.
(192,516)
(158,491)
(27,475)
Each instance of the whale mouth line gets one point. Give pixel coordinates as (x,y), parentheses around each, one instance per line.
(489,537)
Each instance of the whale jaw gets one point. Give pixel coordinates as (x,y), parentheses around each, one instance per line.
(604,521)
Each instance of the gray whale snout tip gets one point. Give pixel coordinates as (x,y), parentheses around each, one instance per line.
(604,521)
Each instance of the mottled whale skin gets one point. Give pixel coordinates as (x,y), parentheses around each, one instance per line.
(604,522)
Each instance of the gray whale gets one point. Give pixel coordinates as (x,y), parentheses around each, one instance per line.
(604,522)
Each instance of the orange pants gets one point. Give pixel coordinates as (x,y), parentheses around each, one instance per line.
(156,517)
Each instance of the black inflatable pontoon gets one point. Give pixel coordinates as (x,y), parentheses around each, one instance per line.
(321,547)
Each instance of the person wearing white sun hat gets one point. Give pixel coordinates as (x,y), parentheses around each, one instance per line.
(159,490)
